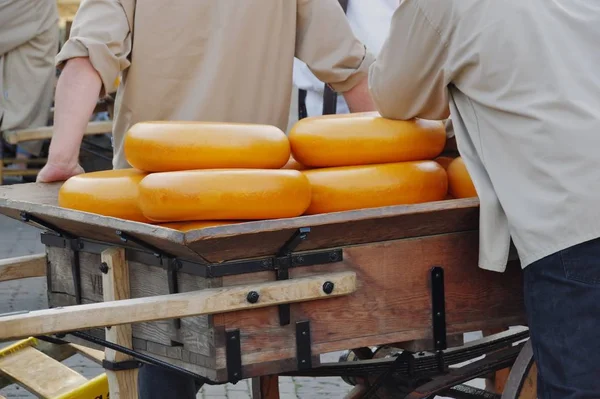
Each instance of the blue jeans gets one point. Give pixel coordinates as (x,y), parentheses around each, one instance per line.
(158,383)
(562,298)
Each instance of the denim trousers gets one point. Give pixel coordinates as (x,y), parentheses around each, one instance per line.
(562,299)
(159,383)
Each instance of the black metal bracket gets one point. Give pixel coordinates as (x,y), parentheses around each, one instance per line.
(155,257)
(121,366)
(283,262)
(438,310)
(233,354)
(303,343)
(73,243)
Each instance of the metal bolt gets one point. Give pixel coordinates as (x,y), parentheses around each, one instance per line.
(438,314)
(252,297)
(328,287)
(333,256)
(300,259)
(104,267)
(265,263)
(232,338)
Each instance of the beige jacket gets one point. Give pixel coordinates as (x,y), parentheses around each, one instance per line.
(212,60)
(29,39)
(523,84)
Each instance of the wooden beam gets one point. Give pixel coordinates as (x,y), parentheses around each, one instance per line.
(43,133)
(39,373)
(265,387)
(121,384)
(23,267)
(163,307)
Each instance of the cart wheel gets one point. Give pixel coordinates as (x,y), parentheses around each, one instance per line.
(522,381)
(354,355)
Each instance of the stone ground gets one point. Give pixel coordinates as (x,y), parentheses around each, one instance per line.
(18,239)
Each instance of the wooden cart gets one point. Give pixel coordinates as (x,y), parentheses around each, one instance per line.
(266,298)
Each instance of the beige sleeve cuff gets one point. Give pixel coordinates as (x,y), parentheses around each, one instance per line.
(349,78)
(107,64)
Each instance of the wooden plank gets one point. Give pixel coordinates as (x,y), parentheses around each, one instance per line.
(23,267)
(45,133)
(122,384)
(41,200)
(209,301)
(39,373)
(92,354)
(56,352)
(392,302)
(265,387)
(265,238)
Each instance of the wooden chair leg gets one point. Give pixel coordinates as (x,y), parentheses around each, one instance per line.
(266,387)
(122,384)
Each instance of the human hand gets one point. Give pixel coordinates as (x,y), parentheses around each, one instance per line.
(52,172)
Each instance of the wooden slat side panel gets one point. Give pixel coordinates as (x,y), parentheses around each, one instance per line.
(145,281)
(392,302)
(332,230)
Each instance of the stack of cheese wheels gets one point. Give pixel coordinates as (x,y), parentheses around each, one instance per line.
(191,175)
(357,161)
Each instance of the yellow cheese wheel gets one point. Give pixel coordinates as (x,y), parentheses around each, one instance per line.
(460,184)
(224,194)
(293,164)
(197,225)
(371,186)
(109,192)
(175,146)
(364,139)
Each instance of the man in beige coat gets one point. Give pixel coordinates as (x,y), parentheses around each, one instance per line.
(210,60)
(522,83)
(216,60)
(29,39)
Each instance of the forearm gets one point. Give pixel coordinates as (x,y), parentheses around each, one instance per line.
(76,96)
(359,98)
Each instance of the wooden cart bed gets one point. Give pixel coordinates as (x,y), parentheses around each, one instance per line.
(391,250)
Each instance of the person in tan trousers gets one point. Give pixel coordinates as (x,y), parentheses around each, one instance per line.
(29,41)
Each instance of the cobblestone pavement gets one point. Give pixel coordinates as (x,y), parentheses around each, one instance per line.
(17,239)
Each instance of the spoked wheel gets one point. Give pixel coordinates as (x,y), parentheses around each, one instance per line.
(522,381)
(520,384)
